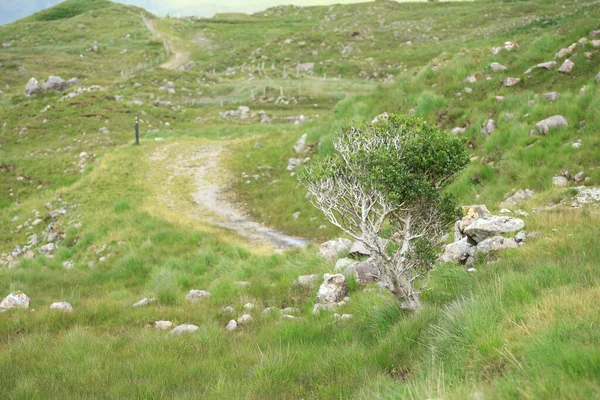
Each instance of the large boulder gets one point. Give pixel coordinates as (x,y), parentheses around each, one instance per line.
(481,229)
(496,243)
(457,252)
(555,121)
(333,289)
(32,88)
(14,300)
(334,249)
(55,83)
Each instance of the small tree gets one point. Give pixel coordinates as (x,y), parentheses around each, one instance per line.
(391,175)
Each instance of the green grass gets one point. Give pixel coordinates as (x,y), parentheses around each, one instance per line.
(523,326)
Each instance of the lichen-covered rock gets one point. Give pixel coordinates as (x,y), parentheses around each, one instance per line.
(333,289)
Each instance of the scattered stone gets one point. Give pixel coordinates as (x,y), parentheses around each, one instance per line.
(488,127)
(457,252)
(16,299)
(163,325)
(560,181)
(458,130)
(333,289)
(144,302)
(62,306)
(306,281)
(510,82)
(290,311)
(55,83)
(334,249)
(188,65)
(293,163)
(499,99)
(305,67)
(245,319)
(104,130)
(68,264)
(195,295)
(579,177)
(470,79)
(242,284)
(497,67)
(518,196)
(358,249)
(577,144)
(248,307)
(545,125)
(545,65)
(232,325)
(184,328)
(567,67)
(552,96)
(508,117)
(300,145)
(32,88)
(380,118)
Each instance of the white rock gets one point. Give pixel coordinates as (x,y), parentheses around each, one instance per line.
(245,319)
(144,302)
(457,252)
(14,300)
(496,243)
(497,67)
(300,144)
(518,196)
(488,127)
(195,295)
(32,88)
(458,130)
(482,228)
(229,309)
(334,249)
(248,307)
(333,289)
(184,328)
(470,79)
(62,306)
(163,325)
(232,325)
(510,82)
(567,67)
(306,281)
(545,125)
(560,181)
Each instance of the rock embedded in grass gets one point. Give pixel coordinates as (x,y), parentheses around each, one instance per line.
(567,67)
(62,306)
(16,299)
(245,319)
(196,295)
(32,87)
(510,82)
(55,83)
(560,181)
(306,281)
(547,124)
(496,243)
(518,196)
(497,67)
(552,96)
(481,229)
(184,328)
(488,127)
(232,325)
(163,325)
(144,302)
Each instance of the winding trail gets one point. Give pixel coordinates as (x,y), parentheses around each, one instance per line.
(210,204)
(178,57)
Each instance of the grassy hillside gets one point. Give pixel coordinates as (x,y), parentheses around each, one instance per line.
(525,325)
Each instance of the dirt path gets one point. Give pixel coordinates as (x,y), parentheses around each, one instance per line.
(210,205)
(178,57)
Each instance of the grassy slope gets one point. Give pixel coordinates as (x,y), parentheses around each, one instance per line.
(524,326)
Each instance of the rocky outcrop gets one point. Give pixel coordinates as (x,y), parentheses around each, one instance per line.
(482,228)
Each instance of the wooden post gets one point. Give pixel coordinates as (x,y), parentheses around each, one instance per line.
(137,130)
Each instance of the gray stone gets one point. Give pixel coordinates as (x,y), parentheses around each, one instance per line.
(184,328)
(195,295)
(560,181)
(300,145)
(334,249)
(470,79)
(367,271)
(518,196)
(567,67)
(232,325)
(293,163)
(74,82)
(552,96)
(458,130)
(358,249)
(55,83)
(579,177)
(481,229)
(520,237)
(457,252)
(545,65)
(306,281)
(16,299)
(290,311)
(32,88)
(245,319)
(343,263)
(333,289)
(496,243)
(497,67)
(488,127)
(547,124)
(68,264)
(62,306)
(144,302)
(510,82)
(163,325)
(228,309)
